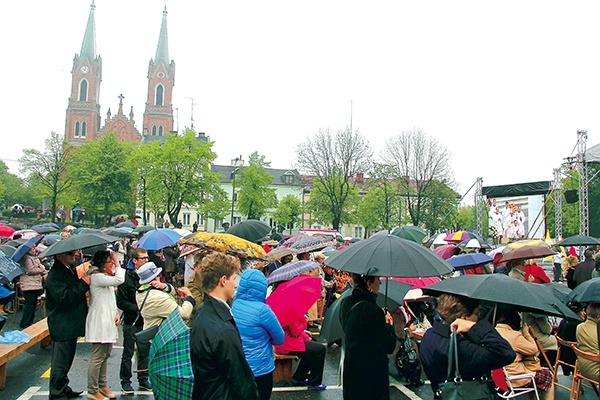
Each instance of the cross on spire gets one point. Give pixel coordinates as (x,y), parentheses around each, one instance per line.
(121,97)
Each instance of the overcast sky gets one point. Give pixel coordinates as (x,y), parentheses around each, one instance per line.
(503,85)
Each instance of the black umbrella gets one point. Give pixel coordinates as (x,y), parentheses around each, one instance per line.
(141,229)
(16,242)
(388,255)
(503,290)
(120,232)
(391,294)
(579,240)
(15,226)
(126,224)
(48,227)
(251,229)
(77,242)
(9,269)
(586,292)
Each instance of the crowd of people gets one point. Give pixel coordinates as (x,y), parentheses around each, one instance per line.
(235,335)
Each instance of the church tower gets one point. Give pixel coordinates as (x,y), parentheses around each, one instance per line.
(158,116)
(83,112)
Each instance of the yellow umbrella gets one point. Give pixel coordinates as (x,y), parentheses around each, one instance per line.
(517,245)
(226,243)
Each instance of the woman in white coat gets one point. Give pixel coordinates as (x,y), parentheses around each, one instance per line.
(102,320)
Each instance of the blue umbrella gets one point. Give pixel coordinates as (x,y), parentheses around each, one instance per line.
(158,239)
(470,260)
(9,269)
(25,247)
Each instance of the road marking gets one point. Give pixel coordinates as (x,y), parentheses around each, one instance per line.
(302,388)
(406,391)
(30,392)
(46,374)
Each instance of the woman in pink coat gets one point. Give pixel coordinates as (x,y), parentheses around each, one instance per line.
(31,285)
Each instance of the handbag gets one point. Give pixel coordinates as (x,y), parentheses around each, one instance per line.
(456,388)
(143,337)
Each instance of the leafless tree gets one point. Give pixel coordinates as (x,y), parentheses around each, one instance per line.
(335,160)
(420,162)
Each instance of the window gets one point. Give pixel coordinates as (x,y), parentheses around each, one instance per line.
(158,96)
(218,223)
(83,90)
(76,129)
(83,129)
(153,130)
(160,130)
(186,219)
(358,231)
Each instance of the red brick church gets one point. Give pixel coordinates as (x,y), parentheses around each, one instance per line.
(84,121)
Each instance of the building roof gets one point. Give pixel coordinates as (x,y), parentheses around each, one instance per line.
(88,47)
(286,177)
(162,50)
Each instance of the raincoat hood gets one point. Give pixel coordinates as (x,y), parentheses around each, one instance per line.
(252,286)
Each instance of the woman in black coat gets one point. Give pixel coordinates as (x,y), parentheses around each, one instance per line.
(481,349)
(369,338)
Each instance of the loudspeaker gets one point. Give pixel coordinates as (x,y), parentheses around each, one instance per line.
(571,196)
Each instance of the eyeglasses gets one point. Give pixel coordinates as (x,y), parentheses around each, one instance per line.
(141,258)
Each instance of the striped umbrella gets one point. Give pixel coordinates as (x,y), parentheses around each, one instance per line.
(291,270)
(459,236)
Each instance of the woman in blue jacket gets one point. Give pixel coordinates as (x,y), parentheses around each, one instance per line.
(258,327)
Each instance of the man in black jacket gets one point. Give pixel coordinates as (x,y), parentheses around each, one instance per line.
(132,323)
(218,362)
(66,306)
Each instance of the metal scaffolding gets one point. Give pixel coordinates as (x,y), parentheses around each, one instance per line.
(557,186)
(479,206)
(584,223)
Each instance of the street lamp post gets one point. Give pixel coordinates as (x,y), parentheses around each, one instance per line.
(232,177)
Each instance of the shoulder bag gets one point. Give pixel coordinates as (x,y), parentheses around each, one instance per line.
(143,337)
(455,388)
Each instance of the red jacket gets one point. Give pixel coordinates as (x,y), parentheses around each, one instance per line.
(295,336)
(537,273)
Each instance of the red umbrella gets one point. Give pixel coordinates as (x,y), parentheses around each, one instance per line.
(292,299)
(5,230)
(446,251)
(418,283)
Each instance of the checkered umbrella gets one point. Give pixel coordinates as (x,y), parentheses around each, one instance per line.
(291,270)
(170,365)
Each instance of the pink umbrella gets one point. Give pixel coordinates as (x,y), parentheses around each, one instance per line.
(446,251)
(292,299)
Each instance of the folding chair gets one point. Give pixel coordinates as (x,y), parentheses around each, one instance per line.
(540,347)
(518,391)
(20,301)
(578,378)
(562,344)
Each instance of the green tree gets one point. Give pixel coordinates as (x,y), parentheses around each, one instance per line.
(383,196)
(323,208)
(102,176)
(419,161)
(371,209)
(439,206)
(255,196)
(12,187)
(49,169)
(335,160)
(179,173)
(288,211)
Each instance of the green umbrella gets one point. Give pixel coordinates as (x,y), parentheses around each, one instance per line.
(586,292)
(410,232)
(389,255)
(579,240)
(169,364)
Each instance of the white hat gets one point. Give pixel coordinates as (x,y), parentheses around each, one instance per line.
(148,272)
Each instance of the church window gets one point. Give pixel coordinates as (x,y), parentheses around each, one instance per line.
(153,130)
(83,129)
(160,130)
(83,90)
(76,129)
(158,98)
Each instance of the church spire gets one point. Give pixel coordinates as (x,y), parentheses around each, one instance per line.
(88,47)
(162,50)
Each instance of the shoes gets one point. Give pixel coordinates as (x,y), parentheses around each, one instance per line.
(300,383)
(127,389)
(107,393)
(322,386)
(72,394)
(96,396)
(145,385)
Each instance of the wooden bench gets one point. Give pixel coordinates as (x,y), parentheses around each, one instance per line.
(37,332)
(283,368)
